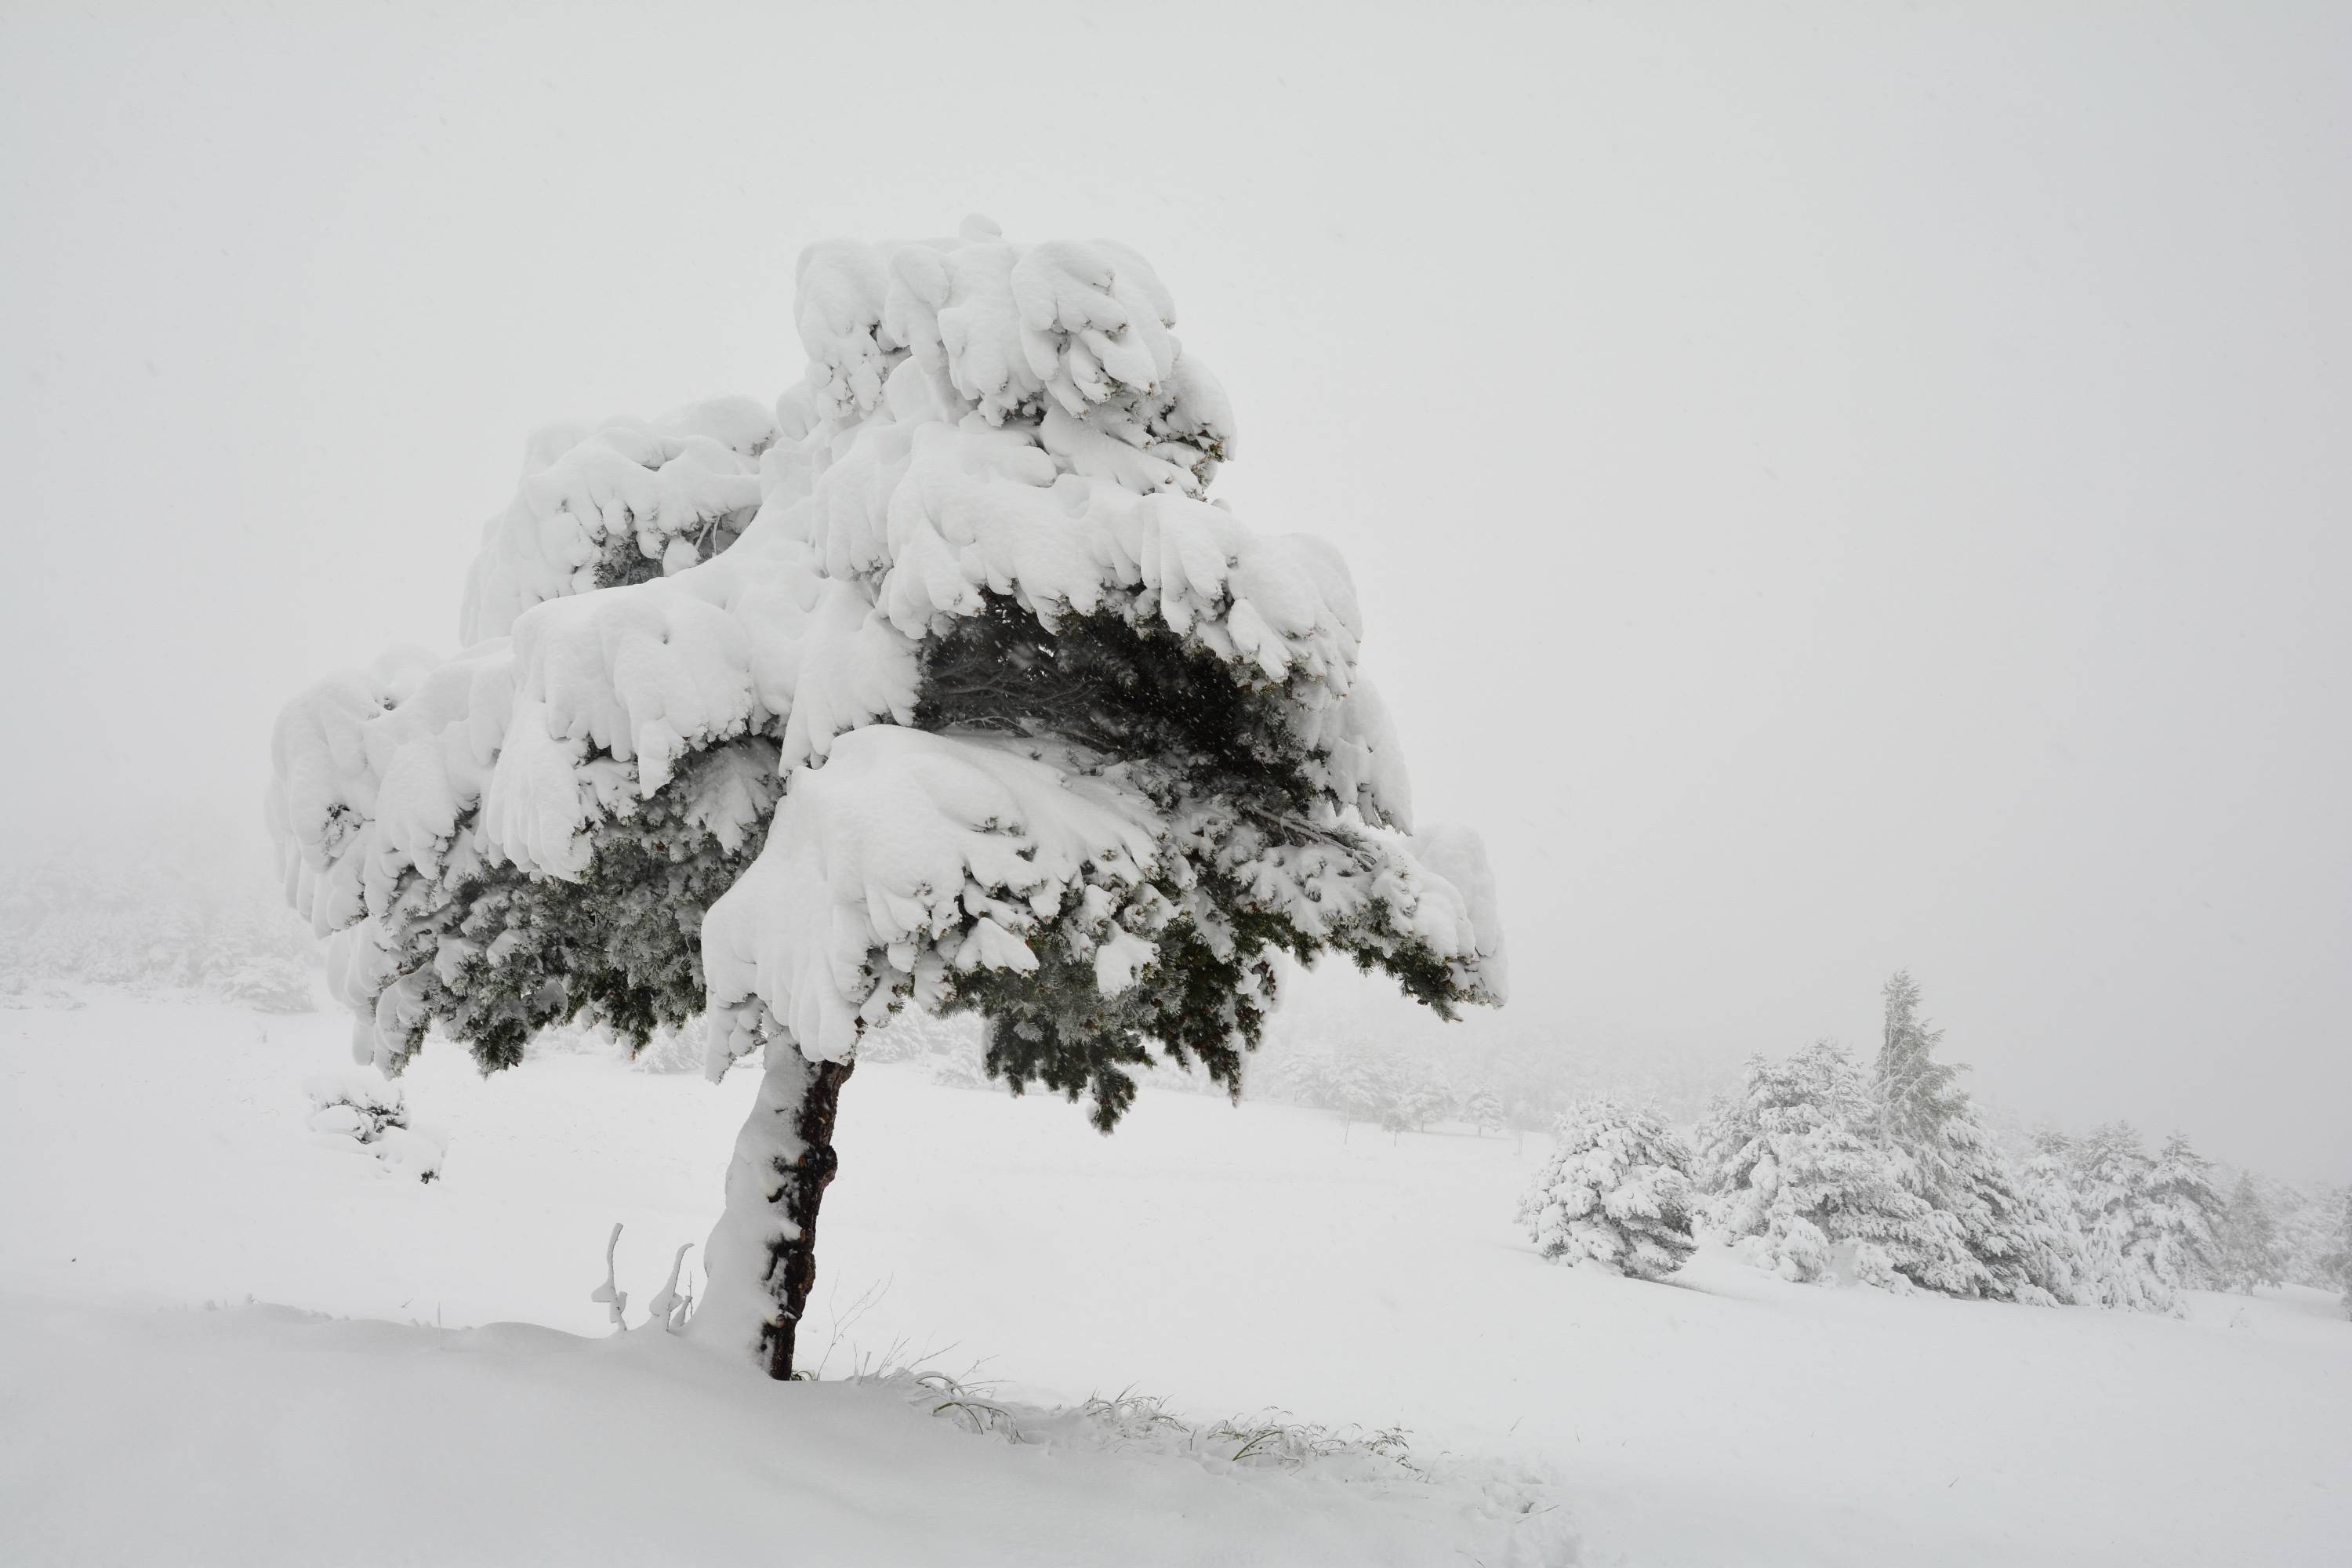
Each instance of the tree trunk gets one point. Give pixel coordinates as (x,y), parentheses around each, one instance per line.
(761,1259)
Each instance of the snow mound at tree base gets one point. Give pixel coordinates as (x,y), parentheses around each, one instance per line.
(261,1435)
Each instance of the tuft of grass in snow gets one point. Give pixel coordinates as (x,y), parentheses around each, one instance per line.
(1132,1422)
(961,1405)
(1519,1508)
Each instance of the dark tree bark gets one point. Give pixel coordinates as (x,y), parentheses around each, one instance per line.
(800,1190)
(760,1262)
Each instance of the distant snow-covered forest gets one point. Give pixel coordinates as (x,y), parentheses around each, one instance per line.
(159,922)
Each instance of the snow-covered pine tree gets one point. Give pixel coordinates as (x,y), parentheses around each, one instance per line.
(2047,1189)
(2308,1218)
(2335,1264)
(945,686)
(2111,1171)
(2303,1221)
(1795,1173)
(2176,1219)
(2249,1240)
(1482,1108)
(1300,1073)
(1425,1096)
(2016,1244)
(1616,1190)
(1954,1164)
(1914,1093)
(1366,1088)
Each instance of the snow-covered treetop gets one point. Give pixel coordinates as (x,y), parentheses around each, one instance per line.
(997,451)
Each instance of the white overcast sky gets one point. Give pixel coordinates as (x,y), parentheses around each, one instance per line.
(1832,487)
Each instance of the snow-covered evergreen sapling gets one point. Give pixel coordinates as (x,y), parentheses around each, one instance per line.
(1615,1191)
(2339,1262)
(2305,1218)
(2046,1187)
(2179,1212)
(1420,1096)
(944,686)
(1795,1173)
(2248,1242)
(1303,1073)
(1367,1089)
(2004,1245)
(2110,1173)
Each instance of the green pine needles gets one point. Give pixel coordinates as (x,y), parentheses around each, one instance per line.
(495,954)
(1220,757)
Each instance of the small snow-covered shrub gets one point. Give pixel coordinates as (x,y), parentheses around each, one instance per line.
(666,1049)
(909,1035)
(962,1064)
(354,1104)
(275,981)
(1616,1191)
(685,1048)
(571,1040)
(352,1109)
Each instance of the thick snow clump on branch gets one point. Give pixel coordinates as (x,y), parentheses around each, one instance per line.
(621,501)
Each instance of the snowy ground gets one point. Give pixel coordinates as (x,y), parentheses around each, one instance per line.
(155,1158)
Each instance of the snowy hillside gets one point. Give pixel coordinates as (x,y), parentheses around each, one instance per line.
(1224,1259)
